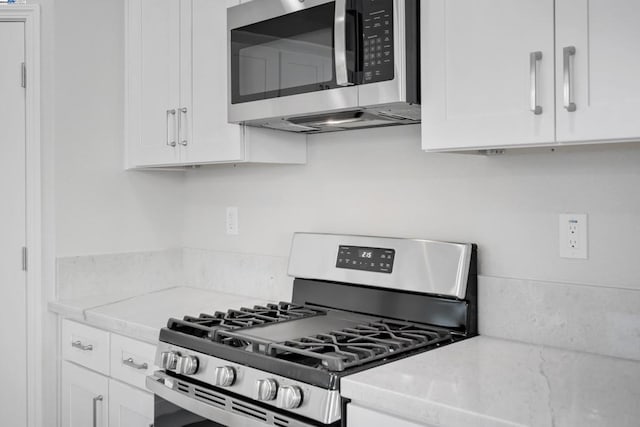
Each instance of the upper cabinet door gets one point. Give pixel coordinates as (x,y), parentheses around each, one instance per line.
(598,57)
(153,81)
(213,139)
(487,73)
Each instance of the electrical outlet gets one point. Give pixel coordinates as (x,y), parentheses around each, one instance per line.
(572,232)
(232,221)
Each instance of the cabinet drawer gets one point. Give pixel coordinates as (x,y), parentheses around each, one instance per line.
(85,346)
(131,360)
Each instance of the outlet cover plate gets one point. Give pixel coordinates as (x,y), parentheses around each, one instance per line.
(572,236)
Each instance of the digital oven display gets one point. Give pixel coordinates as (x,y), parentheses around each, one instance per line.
(378,260)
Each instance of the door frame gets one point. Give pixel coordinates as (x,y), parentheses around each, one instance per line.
(30,15)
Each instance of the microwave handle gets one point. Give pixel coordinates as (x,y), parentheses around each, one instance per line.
(340,40)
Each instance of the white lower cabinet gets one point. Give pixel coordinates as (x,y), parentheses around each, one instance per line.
(85,397)
(129,407)
(103,377)
(358,416)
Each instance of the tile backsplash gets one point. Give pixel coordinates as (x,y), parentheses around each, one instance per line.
(593,319)
(111,274)
(600,320)
(260,276)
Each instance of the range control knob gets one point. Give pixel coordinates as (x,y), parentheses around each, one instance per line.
(187,365)
(289,397)
(169,359)
(266,389)
(225,376)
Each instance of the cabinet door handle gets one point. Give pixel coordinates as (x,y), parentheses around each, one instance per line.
(534,61)
(83,347)
(183,141)
(568,53)
(130,362)
(95,409)
(171,142)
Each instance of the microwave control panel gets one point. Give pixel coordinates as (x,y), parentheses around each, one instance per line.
(377,43)
(377,260)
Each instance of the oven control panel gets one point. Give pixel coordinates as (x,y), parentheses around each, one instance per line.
(377,43)
(377,260)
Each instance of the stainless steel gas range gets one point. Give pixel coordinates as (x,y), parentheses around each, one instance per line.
(358,302)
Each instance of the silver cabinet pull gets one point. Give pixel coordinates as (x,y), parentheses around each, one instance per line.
(171,142)
(534,61)
(95,409)
(130,362)
(79,345)
(340,42)
(183,141)
(568,52)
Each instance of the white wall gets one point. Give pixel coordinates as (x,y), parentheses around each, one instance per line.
(100,208)
(369,182)
(379,182)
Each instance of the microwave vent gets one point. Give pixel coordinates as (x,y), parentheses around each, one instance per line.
(289,127)
(412,114)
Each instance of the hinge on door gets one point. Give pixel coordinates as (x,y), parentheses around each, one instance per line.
(24,75)
(24,258)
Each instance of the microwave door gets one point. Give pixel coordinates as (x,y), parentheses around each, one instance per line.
(290,59)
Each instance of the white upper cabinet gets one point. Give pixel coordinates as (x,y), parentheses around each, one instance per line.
(477,66)
(212,137)
(504,73)
(153,81)
(176,91)
(603,71)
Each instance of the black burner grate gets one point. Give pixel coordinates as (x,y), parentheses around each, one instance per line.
(342,349)
(206,325)
(332,351)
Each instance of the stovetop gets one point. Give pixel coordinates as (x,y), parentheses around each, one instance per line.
(312,344)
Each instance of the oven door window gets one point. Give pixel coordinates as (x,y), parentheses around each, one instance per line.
(286,55)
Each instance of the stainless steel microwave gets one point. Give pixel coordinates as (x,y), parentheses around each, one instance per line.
(324,65)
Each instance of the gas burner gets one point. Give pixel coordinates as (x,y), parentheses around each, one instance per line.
(342,349)
(206,325)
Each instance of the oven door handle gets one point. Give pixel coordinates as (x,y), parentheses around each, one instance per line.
(163,386)
(340,43)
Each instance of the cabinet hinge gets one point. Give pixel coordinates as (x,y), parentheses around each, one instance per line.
(24,75)
(24,258)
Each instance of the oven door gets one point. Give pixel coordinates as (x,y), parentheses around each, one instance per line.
(182,404)
(291,58)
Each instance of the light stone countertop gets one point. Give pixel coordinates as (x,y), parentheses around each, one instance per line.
(484,382)
(142,316)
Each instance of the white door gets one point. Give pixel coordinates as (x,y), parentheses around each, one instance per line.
(13,369)
(153,58)
(85,397)
(604,69)
(476,73)
(212,138)
(129,407)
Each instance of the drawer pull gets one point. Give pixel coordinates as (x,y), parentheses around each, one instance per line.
(79,345)
(129,362)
